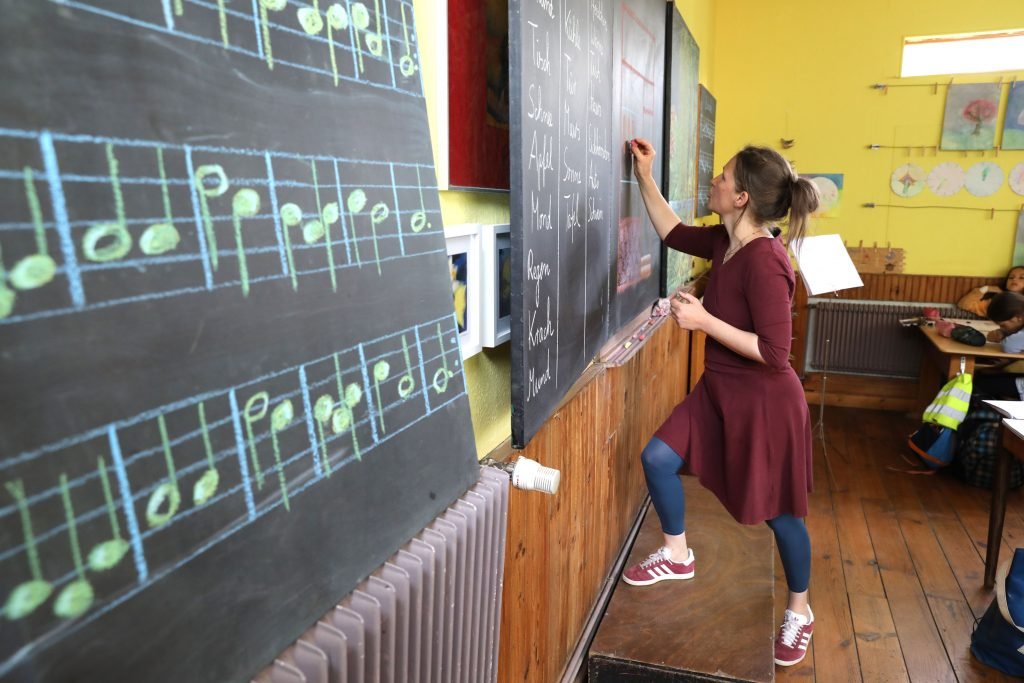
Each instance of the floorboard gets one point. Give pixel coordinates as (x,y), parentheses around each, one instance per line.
(896,580)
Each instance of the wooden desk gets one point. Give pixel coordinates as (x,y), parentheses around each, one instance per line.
(1012,447)
(949,357)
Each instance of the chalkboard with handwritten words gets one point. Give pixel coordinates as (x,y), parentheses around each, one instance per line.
(231,378)
(586,76)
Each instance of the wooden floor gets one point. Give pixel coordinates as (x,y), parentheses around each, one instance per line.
(898,560)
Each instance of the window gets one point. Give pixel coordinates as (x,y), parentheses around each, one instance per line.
(964,53)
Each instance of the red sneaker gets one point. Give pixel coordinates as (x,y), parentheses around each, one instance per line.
(794,637)
(658,567)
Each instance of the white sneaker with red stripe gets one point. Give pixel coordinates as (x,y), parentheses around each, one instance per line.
(659,567)
(794,637)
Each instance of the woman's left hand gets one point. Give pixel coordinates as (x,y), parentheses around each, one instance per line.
(689,313)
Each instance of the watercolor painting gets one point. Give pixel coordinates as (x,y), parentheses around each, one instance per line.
(458,267)
(970,118)
(1013,124)
(830,192)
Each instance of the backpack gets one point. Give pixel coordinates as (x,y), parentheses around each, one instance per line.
(998,638)
(934,442)
(977,450)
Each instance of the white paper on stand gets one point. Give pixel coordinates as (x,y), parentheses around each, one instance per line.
(825,265)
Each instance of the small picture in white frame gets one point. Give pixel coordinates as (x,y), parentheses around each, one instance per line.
(463,242)
(496,292)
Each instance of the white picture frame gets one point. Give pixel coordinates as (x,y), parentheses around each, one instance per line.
(495,257)
(463,247)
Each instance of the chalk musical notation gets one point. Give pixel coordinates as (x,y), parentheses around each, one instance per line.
(120,505)
(113,221)
(346,40)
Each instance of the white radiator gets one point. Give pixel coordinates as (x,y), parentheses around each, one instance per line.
(430,614)
(865,337)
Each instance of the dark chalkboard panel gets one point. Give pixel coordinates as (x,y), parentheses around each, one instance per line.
(705,150)
(231,381)
(585,77)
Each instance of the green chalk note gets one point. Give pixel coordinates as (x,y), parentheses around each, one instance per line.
(205,193)
(253,414)
(76,597)
(205,488)
(167,492)
(109,241)
(108,554)
(28,595)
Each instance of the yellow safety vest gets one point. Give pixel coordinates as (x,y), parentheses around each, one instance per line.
(949,407)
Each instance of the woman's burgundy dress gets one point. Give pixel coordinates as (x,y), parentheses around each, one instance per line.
(744,430)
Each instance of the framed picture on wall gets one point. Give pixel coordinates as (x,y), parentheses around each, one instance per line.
(478,94)
(496,292)
(463,242)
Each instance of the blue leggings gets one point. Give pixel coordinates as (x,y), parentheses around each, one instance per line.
(661,469)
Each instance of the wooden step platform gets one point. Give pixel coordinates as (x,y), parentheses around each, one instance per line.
(718,626)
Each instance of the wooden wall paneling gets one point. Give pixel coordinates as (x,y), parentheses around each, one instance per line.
(697,340)
(560,548)
(924,288)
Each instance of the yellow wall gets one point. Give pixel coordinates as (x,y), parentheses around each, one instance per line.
(488,373)
(802,69)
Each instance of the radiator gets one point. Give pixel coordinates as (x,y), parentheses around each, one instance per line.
(430,614)
(865,337)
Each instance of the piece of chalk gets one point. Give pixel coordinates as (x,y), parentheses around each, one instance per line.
(627,345)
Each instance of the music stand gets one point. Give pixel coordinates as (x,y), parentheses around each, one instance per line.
(825,267)
(819,428)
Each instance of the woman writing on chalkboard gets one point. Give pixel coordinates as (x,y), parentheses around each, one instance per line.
(744,431)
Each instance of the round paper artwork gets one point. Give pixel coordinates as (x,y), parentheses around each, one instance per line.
(946,179)
(1017,177)
(983,179)
(908,180)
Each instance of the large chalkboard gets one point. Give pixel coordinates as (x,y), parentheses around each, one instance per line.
(231,382)
(585,77)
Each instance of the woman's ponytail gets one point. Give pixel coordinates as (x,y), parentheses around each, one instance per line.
(804,202)
(775,190)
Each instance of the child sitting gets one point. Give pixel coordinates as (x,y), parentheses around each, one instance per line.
(1006,310)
